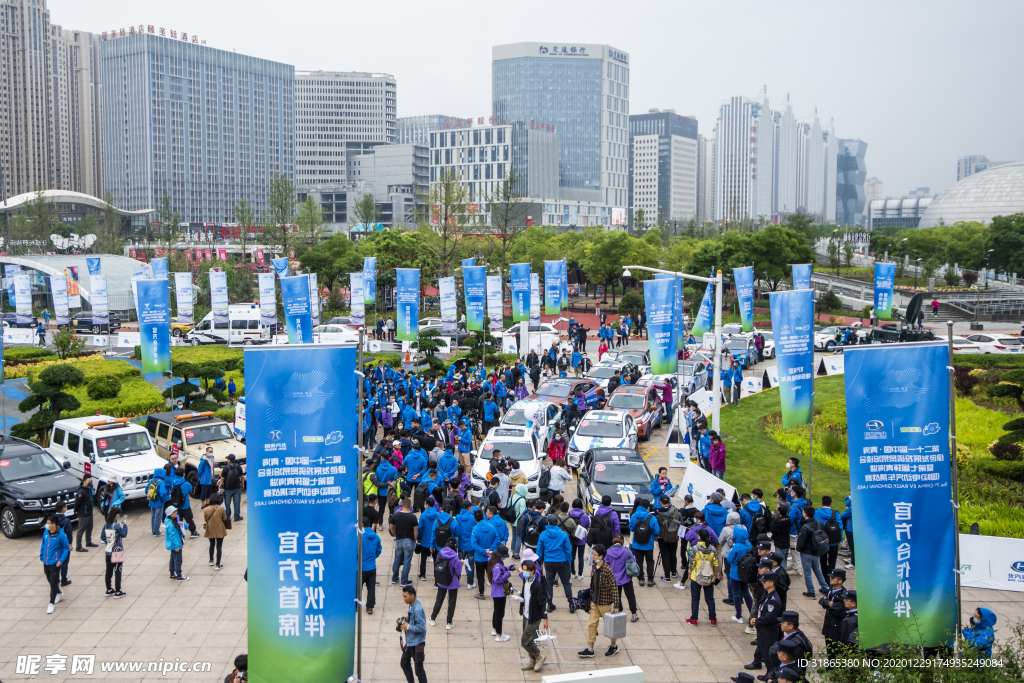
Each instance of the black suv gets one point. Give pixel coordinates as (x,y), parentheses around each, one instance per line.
(890,334)
(32,483)
(617,472)
(82,322)
(12,321)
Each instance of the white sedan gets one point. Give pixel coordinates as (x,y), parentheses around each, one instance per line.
(993,343)
(541,336)
(335,334)
(961,344)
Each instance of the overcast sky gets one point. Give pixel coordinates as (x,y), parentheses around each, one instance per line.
(922,83)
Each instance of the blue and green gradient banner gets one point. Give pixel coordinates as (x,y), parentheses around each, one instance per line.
(743,278)
(552,287)
(370,280)
(897,410)
(793,331)
(302,513)
(659,300)
(281,266)
(408,301)
(565,283)
(802,275)
(298,316)
(474,282)
(885,279)
(702,323)
(521,292)
(155,325)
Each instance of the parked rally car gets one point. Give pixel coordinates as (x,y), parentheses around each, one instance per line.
(601,429)
(617,472)
(642,404)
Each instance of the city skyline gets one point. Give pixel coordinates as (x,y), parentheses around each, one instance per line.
(778,51)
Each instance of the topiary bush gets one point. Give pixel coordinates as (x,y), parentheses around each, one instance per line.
(963,381)
(829,301)
(1007,451)
(105,387)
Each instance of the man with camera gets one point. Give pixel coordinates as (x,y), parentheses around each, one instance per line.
(414,626)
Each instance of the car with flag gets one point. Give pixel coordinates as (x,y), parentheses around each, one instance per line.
(642,403)
(605,370)
(640,359)
(558,390)
(544,415)
(617,472)
(518,443)
(601,429)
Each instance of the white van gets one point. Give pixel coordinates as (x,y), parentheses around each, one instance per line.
(239,426)
(107,449)
(243,327)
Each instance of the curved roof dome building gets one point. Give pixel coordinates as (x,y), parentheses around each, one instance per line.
(998,191)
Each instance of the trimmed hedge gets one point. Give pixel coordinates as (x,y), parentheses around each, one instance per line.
(1007,469)
(26,353)
(122,370)
(985,361)
(137,397)
(22,368)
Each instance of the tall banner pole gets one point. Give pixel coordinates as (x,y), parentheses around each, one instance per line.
(359,511)
(810,422)
(717,404)
(955,487)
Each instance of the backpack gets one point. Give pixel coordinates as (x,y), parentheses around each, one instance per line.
(669,528)
(232,477)
(442,572)
(642,532)
(632,568)
(833,529)
(600,531)
(820,541)
(545,480)
(583,600)
(759,526)
(746,567)
(532,533)
(705,574)
(419,496)
(153,491)
(442,533)
(177,497)
(509,513)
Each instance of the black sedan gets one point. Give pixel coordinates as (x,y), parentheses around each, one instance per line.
(617,472)
(11,320)
(83,322)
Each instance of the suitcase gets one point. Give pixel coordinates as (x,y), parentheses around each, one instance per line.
(615,625)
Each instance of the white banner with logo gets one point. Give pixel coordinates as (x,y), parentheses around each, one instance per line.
(992,562)
(23,298)
(700,484)
(703,399)
(751,385)
(59,290)
(449,305)
(268,299)
(219,297)
(19,335)
(314,300)
(183,297)
(357,304)
(831,365)
(771,376)
(100,312)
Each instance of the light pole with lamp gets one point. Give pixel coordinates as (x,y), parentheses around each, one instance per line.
(717,396)
(835,243)
(988,256)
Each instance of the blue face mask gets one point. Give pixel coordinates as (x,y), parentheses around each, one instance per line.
(526,576)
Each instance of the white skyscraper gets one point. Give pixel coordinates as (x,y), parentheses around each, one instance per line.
(663,180)
(831,173)
(705,178)
(744,159)
(810,183)
(784,176)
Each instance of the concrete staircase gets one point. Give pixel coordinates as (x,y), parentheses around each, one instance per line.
(946,312)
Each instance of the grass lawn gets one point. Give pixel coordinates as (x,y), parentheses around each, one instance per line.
(754,460)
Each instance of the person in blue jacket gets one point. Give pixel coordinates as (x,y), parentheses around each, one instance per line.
(732,376)
(823,515)
(466,524)
(644,549)
(372,549)
(173,541)
(53,553)
(425,535)
(715,513)
(793,476)
(445,517)
(847,519)
(465,445)
(433,479)
(113,497)
(748,512)
(797,503)
(660,485)
(554,550)
(408,415)
(704,448)
(485,540)
(499,524)
(981,634)
(156,507)
(490,412)
(386,473)
(416,464)
(447,465)
(741,593)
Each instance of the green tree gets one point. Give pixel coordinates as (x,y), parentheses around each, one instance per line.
(332,260)
(950,276)
(169,220)
(447,219)
(929,267)
(246,219)
(508,217)
(184,391)
(804,225)
(771,252)
(1006,240)
(108,237)
(50,397)
(280,213)
(833,255)
(366,212)
(707,258)
(848,253)
(67,343)
(639,222)
(310,220)
(631,303)
(966,244)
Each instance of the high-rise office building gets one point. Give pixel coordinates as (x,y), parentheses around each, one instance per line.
(580,91)
(48,105)
(873,189)
(338,116)
(663,166)
(974,163)
(851,174)
(744,159)
(207,127)
(816,161)
(785,171)
(416,129)
(705,178)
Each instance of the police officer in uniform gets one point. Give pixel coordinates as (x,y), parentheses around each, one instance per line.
(788,670)
(835,610)
(848,631)
(790,623)
(766,623)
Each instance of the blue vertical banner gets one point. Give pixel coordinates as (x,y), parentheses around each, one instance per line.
(302,480)
(94,265)
(268,299)
(280,266)
(370,280)
(495,305)
(183,297)
(702,323)
(59,291)
(565,283)
(100,309)
(159,267)
(9,272)
(897,409)
(659,299)
(802,275)
(676,294)
(469,262)
(408,317)
(298,317)
(449,303)
(521,292)
(357,305)
(743,278)
(793,331)
(534,299)
(474,281)
(552,287)
(885,280)
(155,325)
(219,296)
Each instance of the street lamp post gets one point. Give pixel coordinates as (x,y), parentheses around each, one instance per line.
(836,243)
(988,256)
(717,397)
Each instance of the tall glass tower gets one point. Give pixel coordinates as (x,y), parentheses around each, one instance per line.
(581,93)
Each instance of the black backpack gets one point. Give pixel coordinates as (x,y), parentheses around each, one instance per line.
(177,497)
(532,533)
(833,529)
(642,532)
(419,496)
(509,513)
(545,480)
(746,567)
(600,531)
(820,541)
(759,525)
(232,478)
(443,533)
(442,572)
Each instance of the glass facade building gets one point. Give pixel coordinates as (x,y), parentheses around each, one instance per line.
(850,175)
(207,127)
(579,92)
(416,129)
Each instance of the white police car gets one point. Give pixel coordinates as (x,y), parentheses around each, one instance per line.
(513,442)
(601,429)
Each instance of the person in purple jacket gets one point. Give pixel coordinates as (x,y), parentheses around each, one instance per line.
(499,574)
(448,554)
(579,545)
(616,558)
(605,508)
